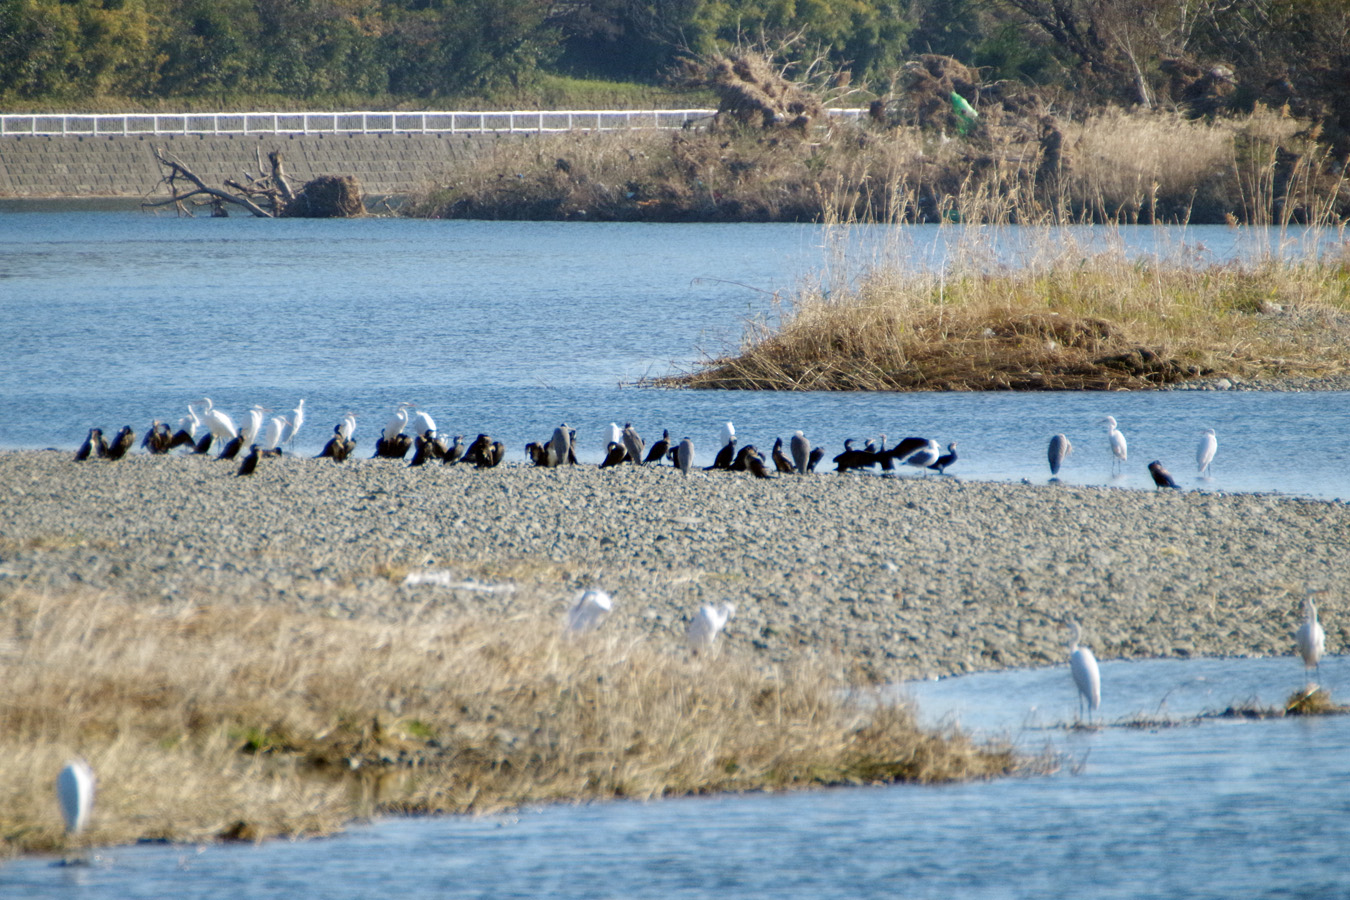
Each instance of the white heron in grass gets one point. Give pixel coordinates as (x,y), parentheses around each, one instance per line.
(590,609)
(1310,639)
(1119,449)
(707,623)
(1086,676)
(75,791)
(1204,451)
(1059,451)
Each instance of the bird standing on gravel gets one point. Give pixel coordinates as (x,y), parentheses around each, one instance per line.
(1161,477)
(706,624)
(684,455)
(1058,452)
(632,443)
(250,463)
(942,462)
(658,451)
(94,445)
(800,448)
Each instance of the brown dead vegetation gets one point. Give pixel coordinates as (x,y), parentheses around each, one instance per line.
(241,722)
(1095,322)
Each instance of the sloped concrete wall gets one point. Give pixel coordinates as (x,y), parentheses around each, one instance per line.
(124,166)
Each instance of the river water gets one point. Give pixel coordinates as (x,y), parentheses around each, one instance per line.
(114,317)
(1216,808)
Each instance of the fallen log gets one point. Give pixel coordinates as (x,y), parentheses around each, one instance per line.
(267,194)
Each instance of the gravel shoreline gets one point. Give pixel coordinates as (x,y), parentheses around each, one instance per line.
(904,577)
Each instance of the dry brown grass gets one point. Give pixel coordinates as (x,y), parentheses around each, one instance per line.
(238,722)
(1115,167)
(1070,319)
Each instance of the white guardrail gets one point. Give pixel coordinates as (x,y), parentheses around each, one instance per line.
(51,124)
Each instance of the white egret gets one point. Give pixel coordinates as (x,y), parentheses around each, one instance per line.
(1310,638)
(275,433)
(801,451)
(75,791)
(1204,451)
(253,424)
(1059,451)
(728,433)
(220,425)
(588,612)
(707,622)
(684,455)
(1086,676)
(1117,441)
(295,420)
(421,422)
(397,422)
(613,435)
(347,426)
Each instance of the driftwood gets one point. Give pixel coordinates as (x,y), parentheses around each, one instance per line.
(268,194)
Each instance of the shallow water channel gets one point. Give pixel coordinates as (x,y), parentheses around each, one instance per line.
(114,317)
(1215,808)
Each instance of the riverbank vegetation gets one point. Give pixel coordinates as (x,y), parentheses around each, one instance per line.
(243,722)
(1207,58)
(1259,168)
(1071,319)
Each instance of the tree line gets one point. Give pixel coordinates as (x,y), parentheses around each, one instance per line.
(1092,51)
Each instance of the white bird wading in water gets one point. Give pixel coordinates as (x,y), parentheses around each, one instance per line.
(1086,676)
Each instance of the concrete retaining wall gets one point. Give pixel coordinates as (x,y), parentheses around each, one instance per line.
(117,166)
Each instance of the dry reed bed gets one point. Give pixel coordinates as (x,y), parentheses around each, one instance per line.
(1069,320)
(211,722)
(1114,167)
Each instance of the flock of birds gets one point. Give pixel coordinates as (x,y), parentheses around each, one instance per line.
(75,783)
(410,428)
(1060,448)
(1309,640)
